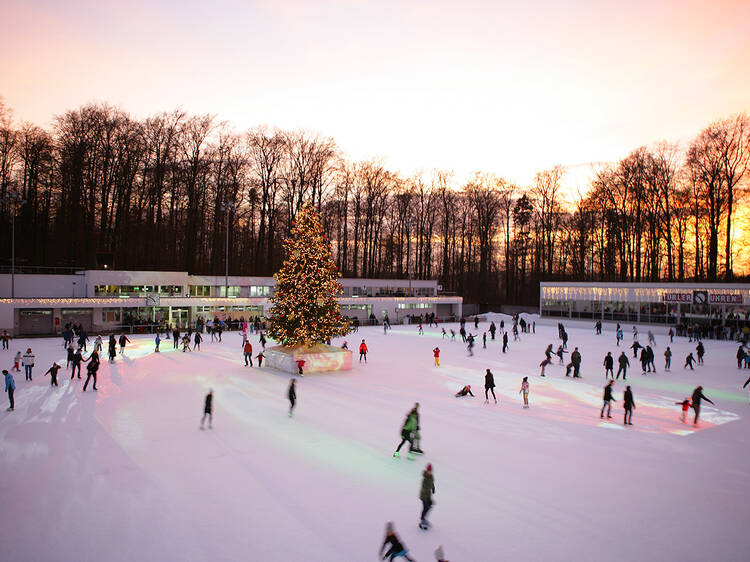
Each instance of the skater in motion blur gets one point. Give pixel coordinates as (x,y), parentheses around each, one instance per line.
(525,391)
(408,430)
(292,395)
(425,494)
(697,397)
(464,391)
(607,400)
(629,406)
(396,548)
(685,407)
(440,554)
(489,386)
(208,409)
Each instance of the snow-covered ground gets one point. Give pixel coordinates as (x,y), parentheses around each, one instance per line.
(125,473)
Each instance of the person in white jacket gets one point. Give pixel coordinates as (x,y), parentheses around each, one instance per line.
(28,363)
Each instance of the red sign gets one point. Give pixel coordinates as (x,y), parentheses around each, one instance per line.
(677,297)
(724,299)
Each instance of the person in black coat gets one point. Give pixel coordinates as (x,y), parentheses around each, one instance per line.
(740,356)
(464,391)
(208,409)
(607,400)
(112,348)
(697,397)
(624,364)
(396,548)
(505,341)
(292,395)
(92,369)
(52,372)
(489,386)
(701,351)
(609,364)
(629,406)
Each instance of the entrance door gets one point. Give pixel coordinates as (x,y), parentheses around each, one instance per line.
(180,317)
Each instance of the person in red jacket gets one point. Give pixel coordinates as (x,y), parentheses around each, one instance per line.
(363,351)
(248,349)
(300,366)
(436,353)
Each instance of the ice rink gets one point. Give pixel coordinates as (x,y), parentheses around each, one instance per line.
(125,473)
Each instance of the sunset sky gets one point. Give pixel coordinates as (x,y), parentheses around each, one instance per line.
(505,87)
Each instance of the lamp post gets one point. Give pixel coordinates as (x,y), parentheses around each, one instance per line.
(227,208)
(14,199)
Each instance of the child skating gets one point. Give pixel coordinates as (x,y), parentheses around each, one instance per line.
(525,391)
(685,408)
(52,372)
(436,354)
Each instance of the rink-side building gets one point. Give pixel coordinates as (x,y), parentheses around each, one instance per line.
(107,300)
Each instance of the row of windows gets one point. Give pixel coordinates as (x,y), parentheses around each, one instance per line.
(414,305)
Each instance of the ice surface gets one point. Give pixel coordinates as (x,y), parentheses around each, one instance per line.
(126,474)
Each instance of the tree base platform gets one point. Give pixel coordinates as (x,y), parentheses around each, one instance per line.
(320,358)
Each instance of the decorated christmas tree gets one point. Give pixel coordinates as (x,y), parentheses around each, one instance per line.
(305,310)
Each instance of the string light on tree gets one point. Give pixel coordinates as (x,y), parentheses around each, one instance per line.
(304,309)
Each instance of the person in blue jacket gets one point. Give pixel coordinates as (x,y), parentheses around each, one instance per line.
(10,388)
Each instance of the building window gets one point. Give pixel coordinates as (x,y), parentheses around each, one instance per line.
(200,290)
(234,291)
(110,315)
(260,290)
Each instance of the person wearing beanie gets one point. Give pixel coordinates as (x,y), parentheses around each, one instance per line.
(396,549)
(425,494)
(52,372)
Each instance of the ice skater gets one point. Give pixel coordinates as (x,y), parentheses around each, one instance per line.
(651,338)
(363,351)
(248,352)
(629,406)
(186,343)
(260,358)
(292,396)
(208,409)
(425,494)
(436,355)
(28,363)
(444,334)
(561,351)
(157,341)
(112,348)
(466,390)
(52,372)
(301,367)
(667,359)
(624,363)
(609,364)
(123,342)
(685,408)
(607,405)
(505,342)
(396,548)
(689,362)
(71,353)
(197,339)
(262,340)
(489,386)
(543,364)
(408,430)
(17,362)
(10,388)
(696,399)
(91,370)
(77,360)
(525,391)
(700,351)
(5,338)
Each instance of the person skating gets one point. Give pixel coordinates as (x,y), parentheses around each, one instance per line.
(505,342)
(624,363)
(301,367)
(175,338)
(52,372)
(667,359)
(575,364)
(98,344)
(696,400)
(197,339)
(77,360)
(123,342)
(408,430)
(396,548)
(493,329)
(544,364)
(489,386)
(607,400)
(157,341)
(5,339)
(208,409)
(689,362)
(186,343)
(91,370)
(453,334)
(444,334)
(420,329)
(248,353)
(260,357)
(261,340)
(10,388)
(629,406)
(650,362)
(484,340)
(292,396)
(465,391)
(363,351)
(470,345)
(685,408)
(28,363)
(71,353)
(436,355)
(700,351)
(671,335)
(740,356)
(440,554)
(644,360)
(635,347)
(651,338)
(112,348)
(425,494)
(560,353)
(525,391)
(609,364)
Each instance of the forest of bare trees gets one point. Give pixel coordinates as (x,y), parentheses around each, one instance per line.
(147,194)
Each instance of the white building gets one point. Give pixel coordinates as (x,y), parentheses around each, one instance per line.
(103,300)
(655,303)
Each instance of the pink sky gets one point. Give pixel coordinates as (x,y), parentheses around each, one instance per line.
(504,87)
